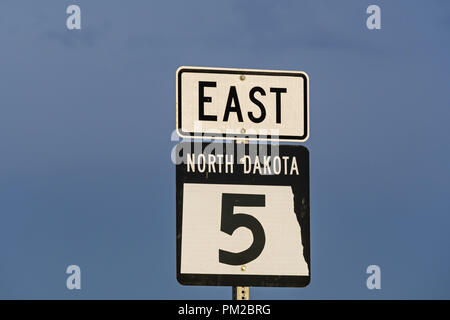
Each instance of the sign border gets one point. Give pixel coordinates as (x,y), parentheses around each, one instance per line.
(231,279)
(238,136)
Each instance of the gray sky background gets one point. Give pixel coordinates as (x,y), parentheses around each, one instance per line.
(86,119)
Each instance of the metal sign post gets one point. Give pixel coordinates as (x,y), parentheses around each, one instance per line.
(241,293)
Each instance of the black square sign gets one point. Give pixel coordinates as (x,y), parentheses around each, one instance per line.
(242,214)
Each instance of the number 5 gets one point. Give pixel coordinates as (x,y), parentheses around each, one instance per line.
(230,222)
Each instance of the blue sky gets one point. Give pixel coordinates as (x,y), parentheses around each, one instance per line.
(86,119)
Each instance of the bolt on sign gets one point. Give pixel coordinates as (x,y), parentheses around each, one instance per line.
(241,103)
(242,214)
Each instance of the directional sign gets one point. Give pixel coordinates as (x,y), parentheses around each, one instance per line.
(242,215)
(238,103)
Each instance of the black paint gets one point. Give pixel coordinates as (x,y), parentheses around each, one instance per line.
(233,105)
(258,103)
(230,222)
(202,99)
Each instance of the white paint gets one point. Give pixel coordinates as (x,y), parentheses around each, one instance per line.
(202,238)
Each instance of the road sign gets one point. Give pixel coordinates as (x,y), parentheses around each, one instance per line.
(242,214)
(242,103)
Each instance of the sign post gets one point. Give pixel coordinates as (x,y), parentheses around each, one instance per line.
(241,293)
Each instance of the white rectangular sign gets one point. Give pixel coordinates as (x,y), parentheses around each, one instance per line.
(242,104)
(202,214)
